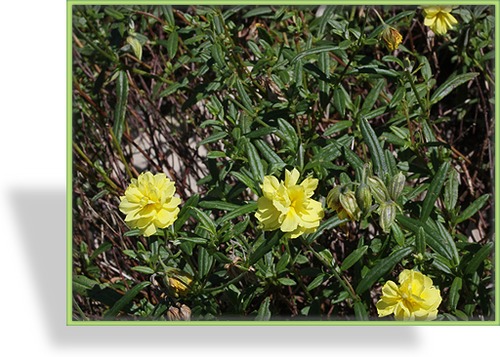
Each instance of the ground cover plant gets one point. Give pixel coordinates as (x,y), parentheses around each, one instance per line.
(320,163)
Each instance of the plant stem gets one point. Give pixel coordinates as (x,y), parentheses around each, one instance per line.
(342,280)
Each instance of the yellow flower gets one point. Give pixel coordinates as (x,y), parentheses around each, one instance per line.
(178,282)
(288,206)
(391,37)
(149,203)
(415,298)
(439,18)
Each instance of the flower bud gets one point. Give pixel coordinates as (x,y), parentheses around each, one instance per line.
(178,282)
(391,37)
(387,215)
(332,199)
(378,189)
(364,197)
(349,206)
(396,185)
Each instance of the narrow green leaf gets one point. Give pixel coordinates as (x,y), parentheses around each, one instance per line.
(450,194)
(478,258)
(420,240)
(473,208)
(454,294)
(330,223)
(123,303)
(143,269)
(432,236)
(185,212)
(205,221)
(245,99)
(381,268)
(205,262)
(353,258)
(213,138)
(360,311)
(172,44)
(275,162)
(450,84)
(218,55)
(255,162)
(287,133)
(102,248)
(446,238)
(339,126)
(433,191)
(242,210)
(282,264)
(264,314)
(377,154)
(122,89)
(320,49)
(261,10)
(245,179)
(220,205)
(263,248)
(372,96)
(398,235)
(287,281)
(316,282)
(339,100)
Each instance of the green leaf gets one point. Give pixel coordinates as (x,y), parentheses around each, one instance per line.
(339,126)
(287,281)
(275,162)
(381,268)
(264,314)
(454,294)
(433,191)
(473,208)
(123,303)
(447,239)
(316,282)
(398,235)
(478,258)
(353,258)
(121,105)
(213,138)
(420,240)
(220,205)
(450,195)
(331,223)
(320,49)
(372,96)
(245,99)
(205,262)
(287,133)
(450,84)
(218,55)
(240,211)
(255,162)
(172,44)
(185,212)
(102,248)
(264,247)
(205,221)
(143,269)
(432,236)
(360,311)
(377,154)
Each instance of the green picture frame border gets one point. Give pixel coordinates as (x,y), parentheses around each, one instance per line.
(69,167)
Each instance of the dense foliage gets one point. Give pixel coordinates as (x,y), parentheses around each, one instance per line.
(388,125)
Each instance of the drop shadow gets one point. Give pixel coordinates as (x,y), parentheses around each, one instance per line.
(44,241)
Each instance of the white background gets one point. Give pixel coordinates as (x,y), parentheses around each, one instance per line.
(33,242)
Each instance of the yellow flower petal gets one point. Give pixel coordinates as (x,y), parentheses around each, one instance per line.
(149,204)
